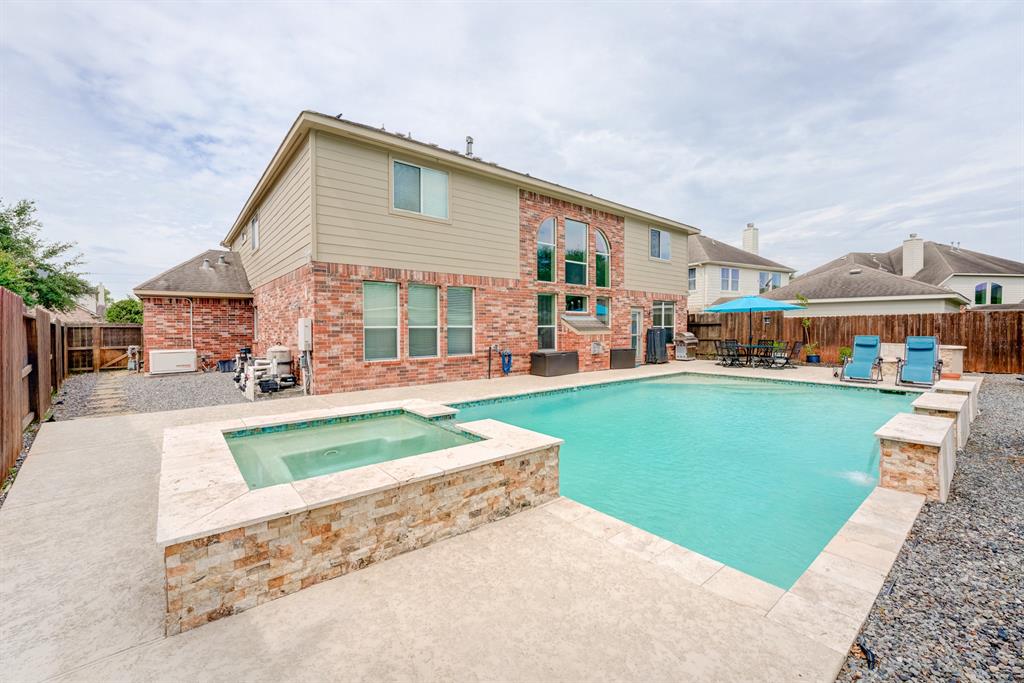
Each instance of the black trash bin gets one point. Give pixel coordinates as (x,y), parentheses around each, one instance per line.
(554,363)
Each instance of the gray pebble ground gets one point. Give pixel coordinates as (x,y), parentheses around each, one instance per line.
(952,608)
(73,399)
(175,392)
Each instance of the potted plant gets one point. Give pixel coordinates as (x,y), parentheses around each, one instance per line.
(845,354)
(812,352)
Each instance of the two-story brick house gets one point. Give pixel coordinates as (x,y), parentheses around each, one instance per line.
(413,261)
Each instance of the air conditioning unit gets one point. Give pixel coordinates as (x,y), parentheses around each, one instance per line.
(172,360)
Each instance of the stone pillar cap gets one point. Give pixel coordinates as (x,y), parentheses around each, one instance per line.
(926,430)
(935,401)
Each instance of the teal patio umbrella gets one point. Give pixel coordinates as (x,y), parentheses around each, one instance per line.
(750,305)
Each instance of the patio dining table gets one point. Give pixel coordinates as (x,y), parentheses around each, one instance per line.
(752,351)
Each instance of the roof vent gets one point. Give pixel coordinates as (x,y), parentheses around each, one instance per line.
(469,145)
(221,261)
(855,271)
(206,264)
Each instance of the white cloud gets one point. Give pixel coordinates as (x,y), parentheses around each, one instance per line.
(141,128)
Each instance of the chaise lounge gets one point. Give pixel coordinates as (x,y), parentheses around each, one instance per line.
(921,365)
(865,365)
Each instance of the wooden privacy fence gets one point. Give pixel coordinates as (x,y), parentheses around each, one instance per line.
(32,369)
(994,339)
(100,347)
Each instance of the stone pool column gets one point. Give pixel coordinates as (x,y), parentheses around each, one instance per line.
(970,386)
(953,406)
(918,455)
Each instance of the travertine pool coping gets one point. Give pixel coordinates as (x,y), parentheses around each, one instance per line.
(920,429)
(202,491)
(828,603)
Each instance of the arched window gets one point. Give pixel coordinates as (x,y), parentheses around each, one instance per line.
(604,260)
(981,292)
(576,250)
(546,250)
(997,294)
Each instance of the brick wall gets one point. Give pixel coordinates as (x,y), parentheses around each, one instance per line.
(219,326)
(217,576)
(279,305)
(910,467)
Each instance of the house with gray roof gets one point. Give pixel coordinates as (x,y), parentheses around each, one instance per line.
(720,272)
(917,277)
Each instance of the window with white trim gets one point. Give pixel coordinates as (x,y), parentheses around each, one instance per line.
(691,279)
(602,261)
(574,303)
(254,231)
(546,250)
(766,281)
(661,244)
(459,321)
(576,234)
(423,321)
(730,279)
(545,321)
(603,309)
(380,321)
(664,314)
(996,294)
(981,293)
(419,189)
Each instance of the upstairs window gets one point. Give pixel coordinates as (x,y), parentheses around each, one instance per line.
(997,294)
(546,250)
(254,232)
(460,321)
(730,279)
(981,293)
(575,252)
(422,321)
(420,190)
(575,303)
(691,278)
(603,260)
(768,281)
(661,244)
(603,309)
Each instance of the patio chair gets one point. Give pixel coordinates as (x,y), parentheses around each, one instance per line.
(731,353)
(865,365)
(719,353)
(784,358)
(920,365)
(764,352)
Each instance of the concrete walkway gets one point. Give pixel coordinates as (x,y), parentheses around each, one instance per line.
(533,597)
(108,397)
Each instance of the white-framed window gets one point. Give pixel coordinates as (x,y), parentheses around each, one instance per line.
(603,309)
(459,321)
(664,314)
(546,321)
(661,244)
(730,279)
(576,250)
(996,294)
(576,303)
(602,261)
(423,305)
(691,279)
(767,281)
(981,293)
(380,321)
(988,293)
(419,189)
(546,250)
(254,231)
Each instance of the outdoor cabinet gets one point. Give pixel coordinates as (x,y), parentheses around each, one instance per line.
(622,359)
(554,363)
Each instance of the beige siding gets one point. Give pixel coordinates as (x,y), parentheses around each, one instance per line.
(355,223)
(875,307)
(1013,286)
(709,285)
(651,275)
(285,219)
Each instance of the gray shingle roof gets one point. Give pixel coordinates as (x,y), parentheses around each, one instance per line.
(704,249)
(194,277)
(846,282)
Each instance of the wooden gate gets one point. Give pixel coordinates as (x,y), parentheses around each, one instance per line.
(91,348)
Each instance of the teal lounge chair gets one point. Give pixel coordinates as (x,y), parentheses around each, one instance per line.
(866,363)
(920,365)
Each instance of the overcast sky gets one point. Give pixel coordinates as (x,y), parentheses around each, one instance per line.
(141,129)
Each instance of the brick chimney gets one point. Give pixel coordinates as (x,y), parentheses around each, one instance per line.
(750,238)
(913,255)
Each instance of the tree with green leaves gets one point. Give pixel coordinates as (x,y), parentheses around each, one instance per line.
(43,273)
(126,310)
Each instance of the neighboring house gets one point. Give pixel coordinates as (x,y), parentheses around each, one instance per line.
(89,309)
(204,304)
(919,277)
(417,264)
(719,272)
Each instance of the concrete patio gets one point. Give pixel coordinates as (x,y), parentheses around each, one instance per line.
(555,593)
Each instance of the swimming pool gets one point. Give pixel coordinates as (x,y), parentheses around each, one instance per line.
(758,475)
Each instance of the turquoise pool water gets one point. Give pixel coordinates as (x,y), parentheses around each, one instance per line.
(269,457)
(758,475)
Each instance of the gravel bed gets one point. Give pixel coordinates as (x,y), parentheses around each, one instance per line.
(952,607)
(73,399)
(175,392)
